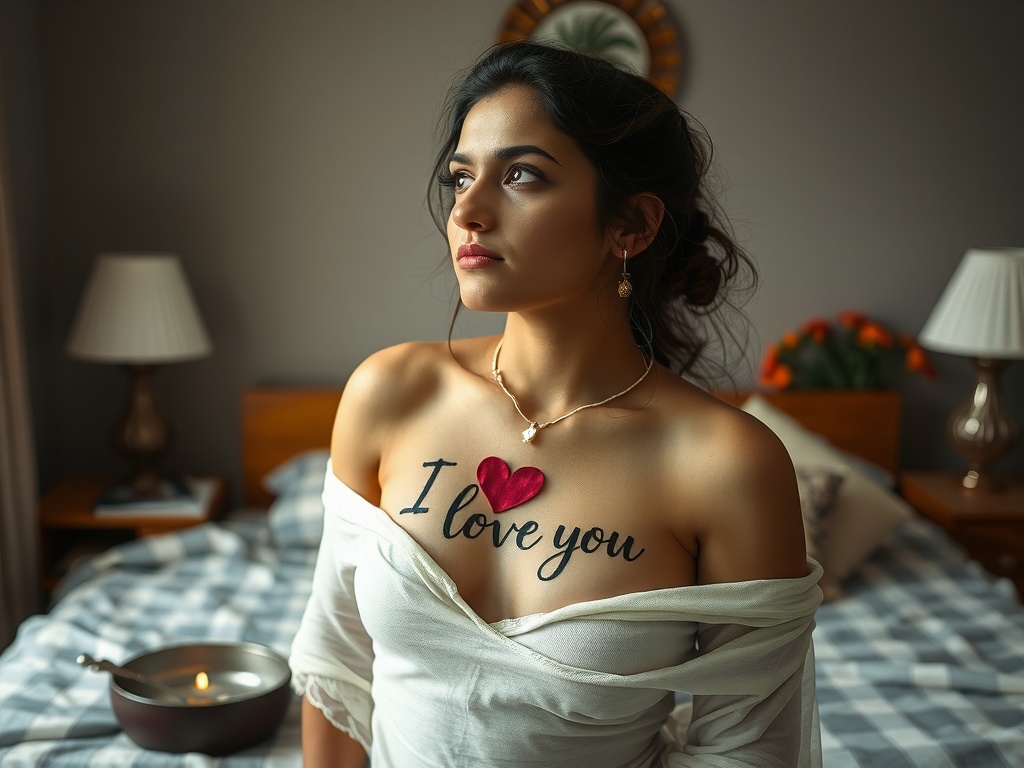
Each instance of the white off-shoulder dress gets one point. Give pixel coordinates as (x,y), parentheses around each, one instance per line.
(392,655)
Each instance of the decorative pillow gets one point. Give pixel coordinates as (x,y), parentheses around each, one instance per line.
(296,516)
(877,474)
(865,512)
(819,489)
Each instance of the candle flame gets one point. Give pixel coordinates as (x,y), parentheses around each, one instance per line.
(202,681)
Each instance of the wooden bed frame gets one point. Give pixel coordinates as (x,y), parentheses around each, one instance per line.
(865,423)
(279,422)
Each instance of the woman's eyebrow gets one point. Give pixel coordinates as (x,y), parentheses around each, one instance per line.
(507,153)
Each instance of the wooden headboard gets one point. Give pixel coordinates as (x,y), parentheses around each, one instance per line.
(279,422)
(865,423)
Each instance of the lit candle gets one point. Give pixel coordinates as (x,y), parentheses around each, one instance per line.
(205,693)
(212,691)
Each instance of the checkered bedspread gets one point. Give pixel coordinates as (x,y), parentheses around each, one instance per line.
(921,665)
(212,582)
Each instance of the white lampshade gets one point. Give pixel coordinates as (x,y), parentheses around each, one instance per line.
(981,312)
(137,308)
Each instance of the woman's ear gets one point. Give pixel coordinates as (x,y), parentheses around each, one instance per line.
(646,212)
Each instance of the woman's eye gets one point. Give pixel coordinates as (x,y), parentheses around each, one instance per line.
(523,175)
(460,180)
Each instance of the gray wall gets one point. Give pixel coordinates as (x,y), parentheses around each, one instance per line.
(281,147)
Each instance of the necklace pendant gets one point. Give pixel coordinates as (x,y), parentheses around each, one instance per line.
(531,431)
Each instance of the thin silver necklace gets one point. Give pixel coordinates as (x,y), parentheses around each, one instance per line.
(531,431)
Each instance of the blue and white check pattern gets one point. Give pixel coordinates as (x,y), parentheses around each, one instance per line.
(212,582)
(297,514)
(921,665)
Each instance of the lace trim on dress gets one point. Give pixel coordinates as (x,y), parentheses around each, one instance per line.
(346,707)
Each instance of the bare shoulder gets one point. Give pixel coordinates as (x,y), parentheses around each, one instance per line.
(394,379)
(739,493)
(741,445)
(382,391)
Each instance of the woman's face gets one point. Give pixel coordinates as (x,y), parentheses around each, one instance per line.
(523,230)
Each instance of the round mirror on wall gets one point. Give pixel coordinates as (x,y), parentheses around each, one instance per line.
(634,34)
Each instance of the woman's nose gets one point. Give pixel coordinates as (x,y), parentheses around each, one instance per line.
(473,210)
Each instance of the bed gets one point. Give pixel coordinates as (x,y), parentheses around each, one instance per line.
(920,653)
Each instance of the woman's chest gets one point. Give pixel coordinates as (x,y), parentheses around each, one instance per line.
(531,531)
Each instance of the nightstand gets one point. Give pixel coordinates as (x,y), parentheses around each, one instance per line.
(990,526)
(69,529)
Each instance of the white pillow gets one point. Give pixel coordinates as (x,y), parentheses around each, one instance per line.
(865,512)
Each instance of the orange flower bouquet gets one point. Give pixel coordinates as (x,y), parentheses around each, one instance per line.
(854,353)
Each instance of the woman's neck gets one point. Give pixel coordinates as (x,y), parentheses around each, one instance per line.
(553,368)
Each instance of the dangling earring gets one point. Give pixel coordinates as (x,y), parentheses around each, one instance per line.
(625,287)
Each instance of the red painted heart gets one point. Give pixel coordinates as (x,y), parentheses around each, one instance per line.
(504,490)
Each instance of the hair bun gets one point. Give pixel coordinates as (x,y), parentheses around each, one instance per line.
(702,278)
(700,227)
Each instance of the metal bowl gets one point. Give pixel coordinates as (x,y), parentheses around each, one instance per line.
(244,699)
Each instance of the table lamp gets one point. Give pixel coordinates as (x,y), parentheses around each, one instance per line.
(981,315)
(138,311)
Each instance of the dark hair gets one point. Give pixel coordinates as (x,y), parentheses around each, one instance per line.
(639,141)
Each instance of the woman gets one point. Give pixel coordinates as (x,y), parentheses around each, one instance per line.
(533,541)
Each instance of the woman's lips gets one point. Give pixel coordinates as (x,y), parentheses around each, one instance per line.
(474,256)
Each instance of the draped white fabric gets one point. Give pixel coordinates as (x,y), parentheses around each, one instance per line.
(390,652)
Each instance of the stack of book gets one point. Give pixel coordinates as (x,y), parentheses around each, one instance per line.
(173,497)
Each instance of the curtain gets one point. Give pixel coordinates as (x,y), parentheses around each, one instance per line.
(19,522)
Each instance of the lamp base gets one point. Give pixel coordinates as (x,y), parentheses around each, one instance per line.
(981,481)
(982,429)
(143,434)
